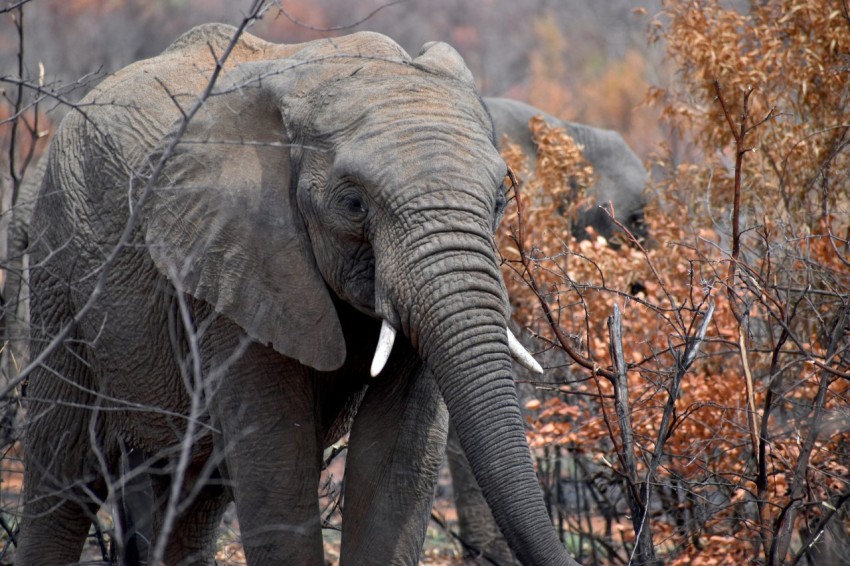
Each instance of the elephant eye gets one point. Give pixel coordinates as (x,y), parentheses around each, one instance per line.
(354,204)
(501,203)
(499,206)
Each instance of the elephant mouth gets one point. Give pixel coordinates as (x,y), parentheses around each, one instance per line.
(386,339)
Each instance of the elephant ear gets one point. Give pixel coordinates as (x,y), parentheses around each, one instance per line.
(222,225)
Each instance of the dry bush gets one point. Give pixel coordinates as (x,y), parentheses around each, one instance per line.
(731,446)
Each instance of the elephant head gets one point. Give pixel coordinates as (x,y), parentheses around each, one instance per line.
(619,175)
(351,171)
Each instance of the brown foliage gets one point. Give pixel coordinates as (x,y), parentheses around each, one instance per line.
(752,458)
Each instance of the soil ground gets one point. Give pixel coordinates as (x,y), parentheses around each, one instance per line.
(440,549)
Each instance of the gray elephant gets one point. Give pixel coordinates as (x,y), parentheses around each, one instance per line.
(211,296)
(620,177)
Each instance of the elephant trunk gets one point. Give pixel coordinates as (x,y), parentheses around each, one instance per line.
(459,312)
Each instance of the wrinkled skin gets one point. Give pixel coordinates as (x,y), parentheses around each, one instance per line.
(619,175)
(620,178)
(476,524)
(322,188)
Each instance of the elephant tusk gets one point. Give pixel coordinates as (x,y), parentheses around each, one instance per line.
(385,346)
(521,355)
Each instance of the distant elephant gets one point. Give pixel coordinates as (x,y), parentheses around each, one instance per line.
(619,175)
(326,197)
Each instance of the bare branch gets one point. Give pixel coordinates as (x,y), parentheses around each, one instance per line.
(305,25)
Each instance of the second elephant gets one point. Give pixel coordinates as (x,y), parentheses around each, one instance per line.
(619,175)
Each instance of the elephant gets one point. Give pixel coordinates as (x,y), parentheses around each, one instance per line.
(210,276)
(619,175)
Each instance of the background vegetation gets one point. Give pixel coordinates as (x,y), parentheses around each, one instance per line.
(696,406)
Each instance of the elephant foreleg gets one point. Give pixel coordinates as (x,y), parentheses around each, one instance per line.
(395,452)
(266,414)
